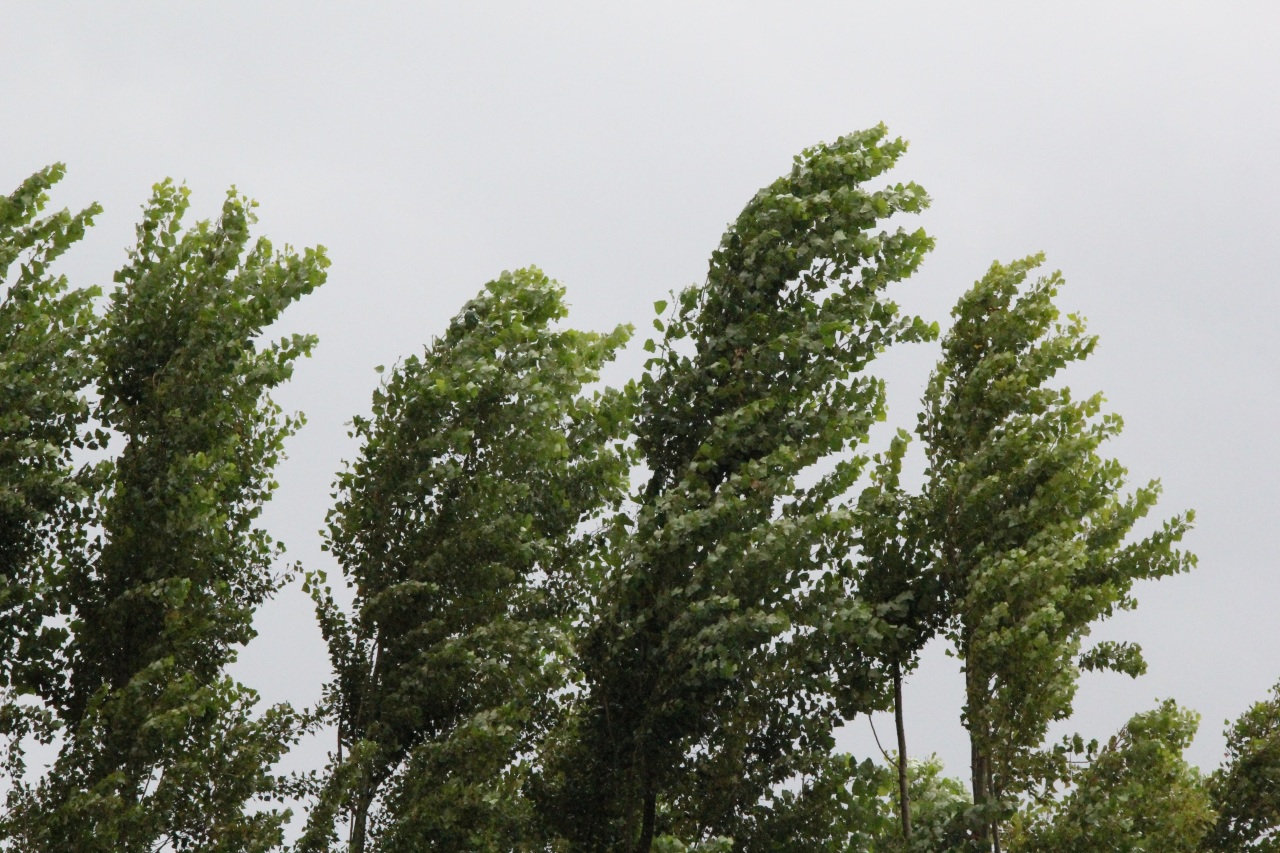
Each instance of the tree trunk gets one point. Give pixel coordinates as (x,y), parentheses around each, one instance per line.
(646,825)
(904,794)
(372,778)
(979,763)
(979,779)
(981,792)
(360,819)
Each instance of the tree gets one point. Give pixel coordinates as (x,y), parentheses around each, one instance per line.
(1246,790)
(710,659)
(160,577)
(1138,795)
(461,529)
(897,578)
(45,327)
(1028,525)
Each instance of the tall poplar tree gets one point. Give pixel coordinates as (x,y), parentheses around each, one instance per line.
(1029,525)
(711,671)
(468,528)
(161,579)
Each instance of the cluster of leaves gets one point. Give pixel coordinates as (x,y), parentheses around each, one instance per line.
(45,326)
(1137,794)
(1246,790)
(532,655)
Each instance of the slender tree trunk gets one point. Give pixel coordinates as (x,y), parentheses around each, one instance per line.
(360,726)
(979,781)
(646,825)
(980,790)
(979,763)
(360,819)
(904,793)
(631,793)
(629,830)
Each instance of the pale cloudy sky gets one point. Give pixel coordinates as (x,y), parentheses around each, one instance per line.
(431,146)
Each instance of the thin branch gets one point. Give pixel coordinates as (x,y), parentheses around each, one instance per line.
(887,759)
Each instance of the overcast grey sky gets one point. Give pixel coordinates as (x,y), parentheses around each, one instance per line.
(431,146)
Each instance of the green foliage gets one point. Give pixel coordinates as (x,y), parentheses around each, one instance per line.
(707,659)
(182,565)
(941,812)
(839,806)
(1138,794)
(45,327)
(161,573)
(670,844)
(461,529)
(896,574)
(530,662)
(1028,523)
(1246,790)
(939,808)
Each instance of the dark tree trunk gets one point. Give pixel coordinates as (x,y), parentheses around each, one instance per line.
(360,725)
(646,825)
(360,820)
(979,762)
(904,793)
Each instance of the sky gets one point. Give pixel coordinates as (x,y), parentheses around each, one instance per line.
(431,146)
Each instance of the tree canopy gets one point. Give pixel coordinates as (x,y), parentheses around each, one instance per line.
(566,617)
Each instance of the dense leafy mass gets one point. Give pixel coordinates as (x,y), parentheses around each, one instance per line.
(529,652)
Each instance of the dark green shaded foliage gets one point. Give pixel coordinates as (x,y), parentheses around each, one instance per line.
(1246,789)
(461,529)
(712,663)
(839,806)
(896,573)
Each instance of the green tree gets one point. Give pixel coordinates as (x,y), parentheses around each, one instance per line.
(1028,525)
(464,528)
(1138,795)
(1246,790)
(45,328)
(897,578)
(711,663)
(161,577)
